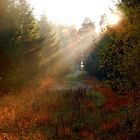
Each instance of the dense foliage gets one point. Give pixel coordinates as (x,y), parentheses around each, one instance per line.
(117,57)
(23,43)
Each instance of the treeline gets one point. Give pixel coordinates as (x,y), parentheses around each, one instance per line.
(25,44)
(117,57)
(32,49)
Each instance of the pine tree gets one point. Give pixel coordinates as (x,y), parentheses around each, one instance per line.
(50,44)
(19,36)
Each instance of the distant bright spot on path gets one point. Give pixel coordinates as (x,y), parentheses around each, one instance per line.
(70,12)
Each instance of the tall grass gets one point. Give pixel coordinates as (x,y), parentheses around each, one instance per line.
(64,113)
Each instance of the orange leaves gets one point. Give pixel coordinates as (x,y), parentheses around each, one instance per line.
(7,115)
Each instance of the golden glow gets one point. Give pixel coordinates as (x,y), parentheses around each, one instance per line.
(113,19)
(72,11)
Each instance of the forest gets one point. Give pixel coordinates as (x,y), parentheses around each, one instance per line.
(60,82)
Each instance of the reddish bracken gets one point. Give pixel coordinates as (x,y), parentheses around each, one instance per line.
(41,119)
(89,105)
(110,125)
(47,84)
(87,134)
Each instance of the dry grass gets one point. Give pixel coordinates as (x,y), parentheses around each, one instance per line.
(40,113)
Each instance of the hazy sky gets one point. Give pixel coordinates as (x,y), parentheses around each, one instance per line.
(71,11)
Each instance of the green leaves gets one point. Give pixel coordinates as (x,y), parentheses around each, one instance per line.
(120,56)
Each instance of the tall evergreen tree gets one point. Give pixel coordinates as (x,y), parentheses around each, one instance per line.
(18,36)
(50,44)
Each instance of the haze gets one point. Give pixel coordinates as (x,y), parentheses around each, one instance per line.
(72,11)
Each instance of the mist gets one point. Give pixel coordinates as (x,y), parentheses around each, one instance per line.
(69,70)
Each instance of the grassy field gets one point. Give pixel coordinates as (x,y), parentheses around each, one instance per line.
(58,111)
